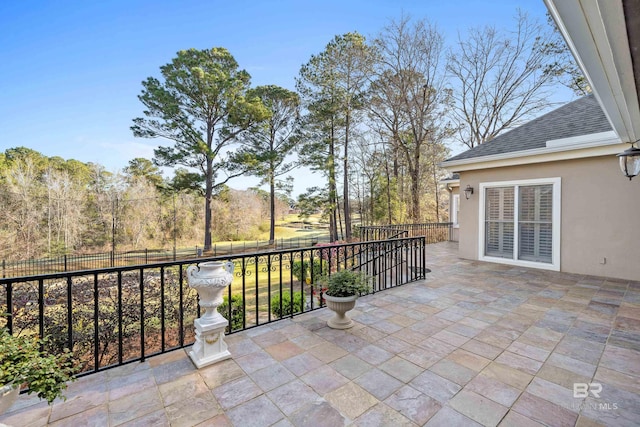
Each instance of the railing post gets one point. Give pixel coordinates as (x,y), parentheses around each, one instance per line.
(142,342)
(10,307)
(424,258)
(120,343)
(96,329)
(69,313)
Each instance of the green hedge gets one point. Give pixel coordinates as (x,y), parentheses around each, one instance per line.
(286,304)
(302,269)
(237,312)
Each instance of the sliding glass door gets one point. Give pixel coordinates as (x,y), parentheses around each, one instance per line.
(518,221)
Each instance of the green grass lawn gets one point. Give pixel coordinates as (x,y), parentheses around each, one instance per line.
(263,281)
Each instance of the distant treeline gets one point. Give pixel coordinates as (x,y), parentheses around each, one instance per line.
(52,206)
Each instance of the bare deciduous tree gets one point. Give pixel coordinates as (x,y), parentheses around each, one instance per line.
(563,66)
(64,211)
(500,79)
(24,213)
(409,97)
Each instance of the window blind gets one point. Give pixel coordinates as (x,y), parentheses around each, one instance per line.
(535,209)
(499,221)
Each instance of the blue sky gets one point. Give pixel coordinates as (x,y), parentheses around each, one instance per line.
(71,71)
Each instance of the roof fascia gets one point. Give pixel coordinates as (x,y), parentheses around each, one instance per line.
(595,31)
(538,155)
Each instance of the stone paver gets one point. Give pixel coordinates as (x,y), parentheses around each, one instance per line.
(472,344)
(453,371)
(401,369)
(191,412)
(271,377)
(351,400)
(236,392)
(414,405)
(255,413)
(131,407)
(324,379)
(383,415)
(378,383)
(435,386)
(493,389)
(478,408)
(447,417)
(293,396)
(541,410)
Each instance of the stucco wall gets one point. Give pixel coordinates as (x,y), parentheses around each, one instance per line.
(600,211)
(454,189)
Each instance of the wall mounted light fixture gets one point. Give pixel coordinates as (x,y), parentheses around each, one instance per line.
(469,191)
(630,161)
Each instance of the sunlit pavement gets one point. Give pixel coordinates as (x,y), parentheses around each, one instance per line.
(473,344)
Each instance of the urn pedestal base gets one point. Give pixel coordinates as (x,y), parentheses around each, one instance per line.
(209,347)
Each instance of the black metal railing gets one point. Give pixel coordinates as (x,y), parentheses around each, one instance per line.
(433,232)
(381,232)
(112,316)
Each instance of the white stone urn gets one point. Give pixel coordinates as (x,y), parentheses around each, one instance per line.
(210,279)
(340,305)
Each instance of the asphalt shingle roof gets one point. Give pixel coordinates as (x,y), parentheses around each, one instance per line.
(580,117)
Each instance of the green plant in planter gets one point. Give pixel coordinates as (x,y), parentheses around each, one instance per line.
(22,363)
(345,283)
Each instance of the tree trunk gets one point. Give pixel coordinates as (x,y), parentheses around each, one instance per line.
(437,193)
(386,167)
(341,233)
(415,187)
(207,205)
(415,197)
(347,208)
(333,223)
(272,207)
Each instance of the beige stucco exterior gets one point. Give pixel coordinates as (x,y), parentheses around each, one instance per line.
(454,191)
(600,234)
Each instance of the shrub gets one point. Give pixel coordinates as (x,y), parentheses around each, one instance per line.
(237,312)
(22,362)
(286,304)
(302,269)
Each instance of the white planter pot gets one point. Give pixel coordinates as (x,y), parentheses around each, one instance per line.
(340,305)
(210,279)
(8,395)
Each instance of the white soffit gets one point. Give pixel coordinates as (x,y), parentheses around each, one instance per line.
(596,33)
(537,155)
(600,138)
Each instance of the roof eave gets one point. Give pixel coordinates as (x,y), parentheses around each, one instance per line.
(538,155)
(596,33)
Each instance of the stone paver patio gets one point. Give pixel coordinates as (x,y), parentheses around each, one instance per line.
(473,344)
